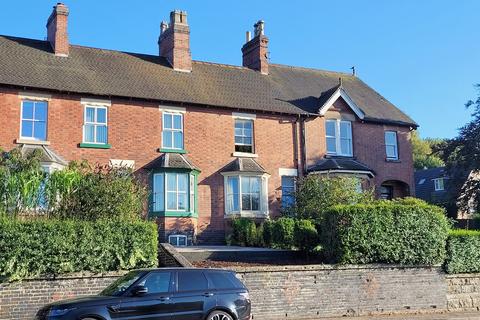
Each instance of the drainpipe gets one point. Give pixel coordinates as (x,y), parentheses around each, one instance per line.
(303,146)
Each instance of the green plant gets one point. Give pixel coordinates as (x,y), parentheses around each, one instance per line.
(315,194)
(244,232)
(40,247)
(384,232)
(463,251)
(305,235)
(282,232)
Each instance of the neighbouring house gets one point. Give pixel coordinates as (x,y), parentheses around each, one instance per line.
(213,141)
(434,185)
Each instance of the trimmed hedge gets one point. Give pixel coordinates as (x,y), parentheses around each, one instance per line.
(49,247)
(463,251)
(385,232)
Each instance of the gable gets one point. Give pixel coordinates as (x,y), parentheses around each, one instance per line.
(334,102)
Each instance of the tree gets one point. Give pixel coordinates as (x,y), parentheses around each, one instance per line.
(425,152)
(315,194)
(462,156)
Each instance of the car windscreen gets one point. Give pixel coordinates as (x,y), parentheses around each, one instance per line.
(224,280)
(119,286)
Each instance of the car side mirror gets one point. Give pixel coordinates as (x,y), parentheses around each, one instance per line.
(139,291)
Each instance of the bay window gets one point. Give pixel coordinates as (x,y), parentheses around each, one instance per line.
(246,194)
(174,192)
(338,135)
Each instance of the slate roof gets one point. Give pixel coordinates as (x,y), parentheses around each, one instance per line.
(30,63)
(46,154)
(426,189)
(172,160)
(243,165)
(331,164)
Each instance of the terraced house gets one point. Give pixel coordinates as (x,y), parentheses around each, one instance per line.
(214,141)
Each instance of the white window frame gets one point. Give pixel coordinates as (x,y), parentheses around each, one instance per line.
(395,146)
(94,123)
(189,193)
(33,100)
(439,184)
(338,138)
(294,177)
(178,236)
(243,136)
(263,206)
(173,130)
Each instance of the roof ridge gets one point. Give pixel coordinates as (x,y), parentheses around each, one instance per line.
(312,69)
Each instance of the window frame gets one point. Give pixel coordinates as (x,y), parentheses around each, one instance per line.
(252,145)
(160,192)
(263,194)
(292,194)
(178,236)
(172,129)
(34,101)
(94,123)
(338,137)
(395,146)
(437,185)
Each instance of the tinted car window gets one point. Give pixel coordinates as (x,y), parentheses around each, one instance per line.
(191,281)
(224,280)
(157,282)
(122,284)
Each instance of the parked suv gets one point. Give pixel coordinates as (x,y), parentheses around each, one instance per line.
(161,294)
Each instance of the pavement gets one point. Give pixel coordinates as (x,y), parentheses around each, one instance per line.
(225,249)
(430,316)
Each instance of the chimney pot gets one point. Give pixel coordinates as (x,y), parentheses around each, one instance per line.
(57,33)
(248,36)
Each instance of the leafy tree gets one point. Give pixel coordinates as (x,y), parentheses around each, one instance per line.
(316,194)
(462,156)
(425,152)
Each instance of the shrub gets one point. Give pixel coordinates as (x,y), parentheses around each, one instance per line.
(305,235)
(50,247)
(315,194)
(384,232)
(282,233)
(463,252)
(267,232)
(244,232)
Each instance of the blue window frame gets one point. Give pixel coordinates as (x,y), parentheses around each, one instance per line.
(34,120)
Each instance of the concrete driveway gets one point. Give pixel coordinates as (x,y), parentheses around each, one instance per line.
(436,316)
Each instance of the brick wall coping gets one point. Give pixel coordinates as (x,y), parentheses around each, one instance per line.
(330,267)
(462,275)
(74,275)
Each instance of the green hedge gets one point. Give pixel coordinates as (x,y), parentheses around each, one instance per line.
(463,252)
(50,247)
(384,232)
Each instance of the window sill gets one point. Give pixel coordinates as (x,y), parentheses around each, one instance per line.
(31,141)
(172,150)
(95,145)
(244,155)
(175,214)
(393,160)
(246,214)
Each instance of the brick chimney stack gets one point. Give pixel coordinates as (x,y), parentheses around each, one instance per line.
(174,41)
(57,30)
(255,51)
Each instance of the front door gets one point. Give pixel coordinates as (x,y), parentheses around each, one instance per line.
(154,305)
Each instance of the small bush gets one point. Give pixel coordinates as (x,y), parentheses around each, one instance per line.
(244,232)
(305,235)
(463,251)
(282,232)
(51,247)
(384,232)
(267,232)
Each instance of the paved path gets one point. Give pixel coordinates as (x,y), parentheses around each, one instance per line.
(438,316)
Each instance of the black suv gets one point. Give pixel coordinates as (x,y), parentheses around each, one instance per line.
(166,294)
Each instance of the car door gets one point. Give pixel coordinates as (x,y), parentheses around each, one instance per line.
(192,295)
(154,305)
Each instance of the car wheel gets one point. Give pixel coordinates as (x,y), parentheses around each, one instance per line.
(219,315)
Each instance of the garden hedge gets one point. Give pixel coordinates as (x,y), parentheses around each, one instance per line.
(384,232)
(35,248)
(463,252)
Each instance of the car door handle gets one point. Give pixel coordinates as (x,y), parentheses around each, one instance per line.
(208,294)
(164,298)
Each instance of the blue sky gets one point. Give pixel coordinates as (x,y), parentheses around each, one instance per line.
(424,56)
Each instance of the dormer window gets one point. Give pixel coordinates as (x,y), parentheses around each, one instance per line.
(339,137)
